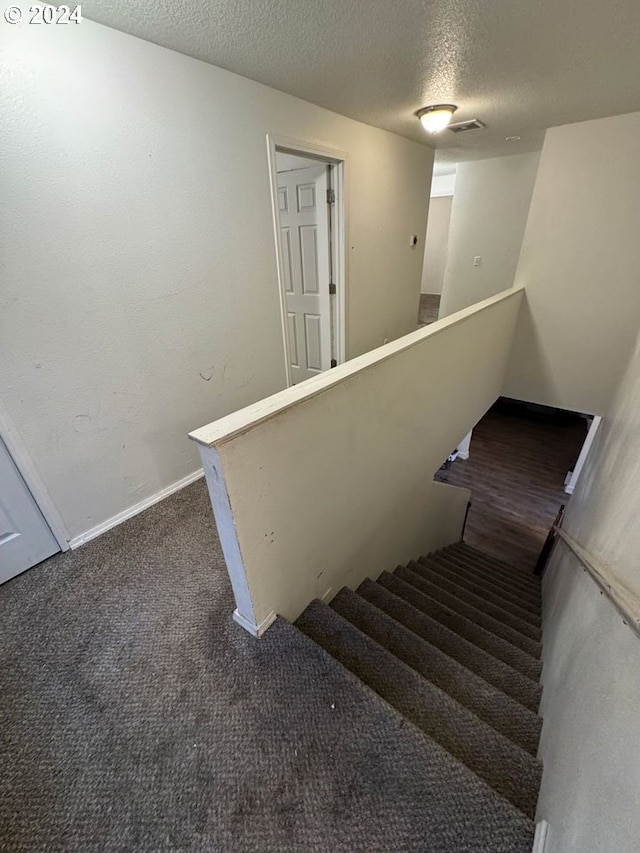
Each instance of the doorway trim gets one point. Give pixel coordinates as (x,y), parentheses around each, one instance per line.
(338,161)
(34,483)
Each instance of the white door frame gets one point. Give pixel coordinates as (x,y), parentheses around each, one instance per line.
(338,161)
(29,473)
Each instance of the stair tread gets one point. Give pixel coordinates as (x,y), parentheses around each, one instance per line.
(529,602)
(508,769)
(502,649)
(487,702)
(454,602)
(437,802)
(495,563)
(493,670)
(489,601)
(480,569)
(469,564)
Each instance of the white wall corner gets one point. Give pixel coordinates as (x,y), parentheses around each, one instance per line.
(251,627)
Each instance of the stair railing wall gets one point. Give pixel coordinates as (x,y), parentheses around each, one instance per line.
(624,601)
(331,481)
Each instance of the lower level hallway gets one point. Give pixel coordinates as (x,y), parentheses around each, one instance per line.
(519,458)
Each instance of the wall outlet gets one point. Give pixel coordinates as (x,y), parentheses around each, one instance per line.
(477,261)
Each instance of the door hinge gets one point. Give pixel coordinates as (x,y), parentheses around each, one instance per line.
(334,363)
(331,196)
(332,289)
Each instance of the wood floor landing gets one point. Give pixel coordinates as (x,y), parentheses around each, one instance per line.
(516,472)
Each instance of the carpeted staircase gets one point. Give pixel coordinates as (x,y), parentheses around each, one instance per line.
(452,643)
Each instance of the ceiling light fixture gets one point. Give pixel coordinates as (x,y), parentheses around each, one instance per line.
(434,119)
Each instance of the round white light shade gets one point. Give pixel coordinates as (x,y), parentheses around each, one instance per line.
(434,119)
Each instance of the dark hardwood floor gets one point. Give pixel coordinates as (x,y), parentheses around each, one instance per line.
(516,470)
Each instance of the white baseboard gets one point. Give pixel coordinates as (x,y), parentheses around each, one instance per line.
(115,520)
(462,455)
(254,630)
(540,840)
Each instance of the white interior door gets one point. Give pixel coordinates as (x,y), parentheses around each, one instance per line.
(25,537)
(304,240)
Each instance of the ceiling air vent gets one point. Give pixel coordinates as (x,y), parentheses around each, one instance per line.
(464,126)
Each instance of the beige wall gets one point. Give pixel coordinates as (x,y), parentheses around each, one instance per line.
(139,290)
(299,515)
(488,218)
(591,701)
(580,264)
(604,512)
(435,248)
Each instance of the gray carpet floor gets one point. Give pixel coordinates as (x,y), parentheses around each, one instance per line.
(136,716)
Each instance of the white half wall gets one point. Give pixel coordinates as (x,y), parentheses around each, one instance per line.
(580,264)
(139,282)
(331,481)
(488,218)
(435,247)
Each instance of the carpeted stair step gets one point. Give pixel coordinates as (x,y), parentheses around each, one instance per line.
(508,769)
(513,573)
(495,566)
(495,560)
(484,700)
(491,669)
(454,602)
(484,570)
(442,567)
(507,617)
(405,792)
(530,601)
(505,651)
(481,571)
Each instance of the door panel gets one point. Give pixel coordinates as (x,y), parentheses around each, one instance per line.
(304,241)
(306,195)
(283,199)
(25,538)
(309,258)
(287,261)
(293,339)
(312,338)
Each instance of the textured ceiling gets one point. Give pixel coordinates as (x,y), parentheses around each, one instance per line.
(519,66)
